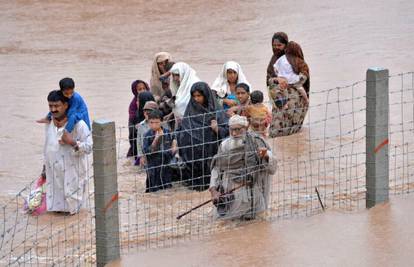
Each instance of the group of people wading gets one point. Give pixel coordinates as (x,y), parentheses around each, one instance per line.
(183,130)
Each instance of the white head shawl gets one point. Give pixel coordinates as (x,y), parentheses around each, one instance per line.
(221,85)
(155,83)
(182,93)
(238,120)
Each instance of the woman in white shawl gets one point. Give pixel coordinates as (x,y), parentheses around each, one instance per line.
(225,84)
(183,78)
(158,68)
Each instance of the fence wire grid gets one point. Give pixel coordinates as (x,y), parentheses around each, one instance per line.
(327,155)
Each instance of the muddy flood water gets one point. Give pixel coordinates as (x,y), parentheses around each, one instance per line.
(105,45)
(382,236)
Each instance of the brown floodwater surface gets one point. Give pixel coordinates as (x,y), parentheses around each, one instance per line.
(382,236)
(105,45)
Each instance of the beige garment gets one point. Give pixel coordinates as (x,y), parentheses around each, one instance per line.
(155,83)
(233,157)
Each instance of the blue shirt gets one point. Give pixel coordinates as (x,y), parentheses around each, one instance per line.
(77,111)
(231,97)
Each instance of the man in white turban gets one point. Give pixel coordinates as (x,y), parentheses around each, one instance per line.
(244,161)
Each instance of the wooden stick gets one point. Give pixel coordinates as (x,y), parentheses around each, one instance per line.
(319,197)
(208,201)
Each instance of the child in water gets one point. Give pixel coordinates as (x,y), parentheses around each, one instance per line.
(243,98)
(77,107)
(258,114)
(284,70)
(159,147)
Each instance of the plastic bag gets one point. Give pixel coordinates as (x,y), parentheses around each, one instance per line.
(35,203)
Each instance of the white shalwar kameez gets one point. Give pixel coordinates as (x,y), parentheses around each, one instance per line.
(66,169)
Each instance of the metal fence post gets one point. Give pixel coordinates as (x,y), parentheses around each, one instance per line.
(106,192)
(377,151)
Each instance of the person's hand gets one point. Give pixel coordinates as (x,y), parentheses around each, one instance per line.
(165,75)
(142,161)
(283,84)
(262,152)
(214,193)
(159,133)
(230,103)
(214,126)
(174,147)
(43,120)
(67,139)
(229,113)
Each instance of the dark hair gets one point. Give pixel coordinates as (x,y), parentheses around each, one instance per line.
(66,83)
(256,97)
(154,114)
(169,65)
(55,96)
(244,86)
(281,37)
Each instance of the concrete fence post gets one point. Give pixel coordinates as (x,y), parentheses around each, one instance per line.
(106,192)
(377,151)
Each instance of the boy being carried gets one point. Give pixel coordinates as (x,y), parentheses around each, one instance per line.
(77,107)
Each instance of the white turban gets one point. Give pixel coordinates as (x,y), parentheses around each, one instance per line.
(238,120)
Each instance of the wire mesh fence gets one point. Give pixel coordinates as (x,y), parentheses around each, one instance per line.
(321,167)
(49,238)
(401,133)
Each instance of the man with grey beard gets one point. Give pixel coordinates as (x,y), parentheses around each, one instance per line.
(241,173)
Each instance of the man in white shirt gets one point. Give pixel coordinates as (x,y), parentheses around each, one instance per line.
(65,158)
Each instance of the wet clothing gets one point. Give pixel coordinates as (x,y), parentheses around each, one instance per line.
(66,169)
(143,97)
(142,128)
(289,107)
(182,93)
(238,164)
(159,174)
(133,106)
(288,111)
(196,139)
